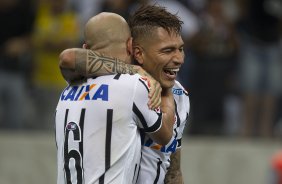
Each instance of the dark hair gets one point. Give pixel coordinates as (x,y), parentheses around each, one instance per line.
(148,17)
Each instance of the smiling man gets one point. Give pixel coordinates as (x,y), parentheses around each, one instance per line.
(158,48)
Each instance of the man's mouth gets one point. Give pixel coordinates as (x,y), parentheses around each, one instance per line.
(171,72)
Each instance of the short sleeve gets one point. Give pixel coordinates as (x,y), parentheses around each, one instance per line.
(148,120)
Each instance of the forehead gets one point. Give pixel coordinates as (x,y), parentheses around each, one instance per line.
(162,38)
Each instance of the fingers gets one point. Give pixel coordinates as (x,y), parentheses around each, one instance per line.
(155,96)
(155,100)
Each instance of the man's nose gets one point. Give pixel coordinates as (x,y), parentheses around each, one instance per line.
(178,57)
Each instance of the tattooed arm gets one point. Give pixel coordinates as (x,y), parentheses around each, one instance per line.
(88,63)
(76,64)
(174,174)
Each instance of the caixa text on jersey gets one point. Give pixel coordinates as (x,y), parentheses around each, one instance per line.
(86,92)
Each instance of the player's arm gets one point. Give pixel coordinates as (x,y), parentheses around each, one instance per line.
(77,63)
(158,123)
(174,174)
(164,134)
(89,63)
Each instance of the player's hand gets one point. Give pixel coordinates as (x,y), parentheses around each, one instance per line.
(154,89)
(154,94)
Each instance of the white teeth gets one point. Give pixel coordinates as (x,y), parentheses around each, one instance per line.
(173,70)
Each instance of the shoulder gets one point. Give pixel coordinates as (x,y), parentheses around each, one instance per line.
(181,96)
(131,78)
(179,90)
(119,78)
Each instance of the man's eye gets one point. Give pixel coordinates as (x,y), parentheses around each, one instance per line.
(167,50)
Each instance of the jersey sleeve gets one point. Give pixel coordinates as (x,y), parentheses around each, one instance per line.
(147,120)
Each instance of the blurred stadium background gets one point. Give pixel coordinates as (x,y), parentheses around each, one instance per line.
(232,71)
(30,158)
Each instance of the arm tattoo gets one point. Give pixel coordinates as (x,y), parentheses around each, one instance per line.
(94,63)
(174,175)
(97,64)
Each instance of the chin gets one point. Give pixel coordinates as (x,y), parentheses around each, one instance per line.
(167,84)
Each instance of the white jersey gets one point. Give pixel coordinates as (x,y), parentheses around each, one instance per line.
(156,158)
(97,125)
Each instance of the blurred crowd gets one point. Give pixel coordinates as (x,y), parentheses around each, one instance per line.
(232,69)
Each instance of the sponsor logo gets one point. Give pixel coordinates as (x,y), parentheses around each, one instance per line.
(165,149)
(179,91)
(86,92)
(170,147)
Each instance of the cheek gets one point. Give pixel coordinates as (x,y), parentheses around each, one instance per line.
(148,66)
(148,63)
(153,66)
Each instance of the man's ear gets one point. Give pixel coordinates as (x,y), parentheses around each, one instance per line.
(138,54)
(129,46)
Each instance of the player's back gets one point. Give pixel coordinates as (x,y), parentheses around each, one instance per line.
(97,138)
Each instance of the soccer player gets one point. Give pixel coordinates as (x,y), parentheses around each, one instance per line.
(97,119)
(158,48)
